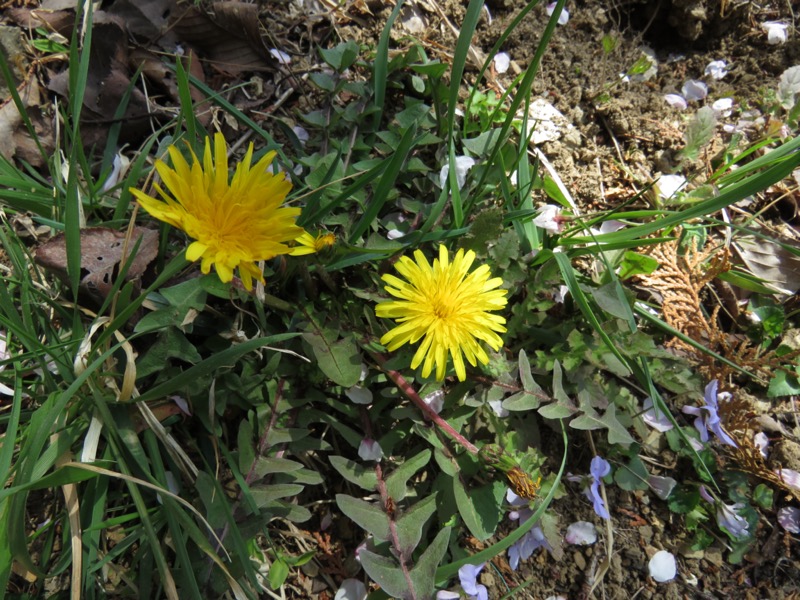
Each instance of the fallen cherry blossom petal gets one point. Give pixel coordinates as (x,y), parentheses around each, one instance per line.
(581,533)
(563,18)
(716,69)
(777,33)
(351,589)
(676,101)
(501,62)
(694,89)
(789,477)
(280,56)
(463,165)
(661,486)
(662,566)
(761,441)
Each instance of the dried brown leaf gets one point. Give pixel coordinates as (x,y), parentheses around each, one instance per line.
(102,255)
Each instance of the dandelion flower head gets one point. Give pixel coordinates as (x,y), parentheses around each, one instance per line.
(235,221)
(445,306)
(309,244)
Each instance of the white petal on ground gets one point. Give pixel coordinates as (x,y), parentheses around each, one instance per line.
(563,18)
(301,133)
(548,218)
(723,106)
(661,486)
(694,89)
(761,441)
(777,33)
(716,69)
(581,533)
(501,62)
(789,477)
(352,589)
(463,165)
(280,56)
(668,185)
(676,101)
(663,567)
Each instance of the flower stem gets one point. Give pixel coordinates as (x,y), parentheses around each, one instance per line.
(429,413)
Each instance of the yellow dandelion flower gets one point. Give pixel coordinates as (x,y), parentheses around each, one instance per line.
(308,244)
(236,221)
(447,307)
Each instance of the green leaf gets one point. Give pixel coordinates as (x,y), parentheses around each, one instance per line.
(409,525)
(632,476)
(366,515)
(278,572)
(683,499)
(342,56)
(563,407)
(617,432)
(531,396)
(386,573)
(171,343)
(763,496)
(396,482)
(264,494)
(610,297)
(699,132)
(363,477)
(480,508)
(177,306)
(340,361)
(634,263)
(279,509)
(423,574)
(783,384)
(274,464)
(247,451)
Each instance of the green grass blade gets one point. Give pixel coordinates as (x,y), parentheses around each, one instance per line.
(386,184)
(381,67)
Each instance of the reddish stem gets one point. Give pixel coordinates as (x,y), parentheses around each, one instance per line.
(429,413)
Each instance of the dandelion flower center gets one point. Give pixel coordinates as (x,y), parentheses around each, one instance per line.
(446,306)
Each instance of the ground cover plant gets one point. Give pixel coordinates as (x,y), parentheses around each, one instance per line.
(363,340)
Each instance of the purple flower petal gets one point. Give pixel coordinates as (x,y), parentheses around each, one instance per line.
(468,575)
(599,469)
(789,519)
(731,521)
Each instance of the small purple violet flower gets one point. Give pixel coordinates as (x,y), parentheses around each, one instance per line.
(708,417)
(728,517)
(532,540)
(599,469)
(468,574)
